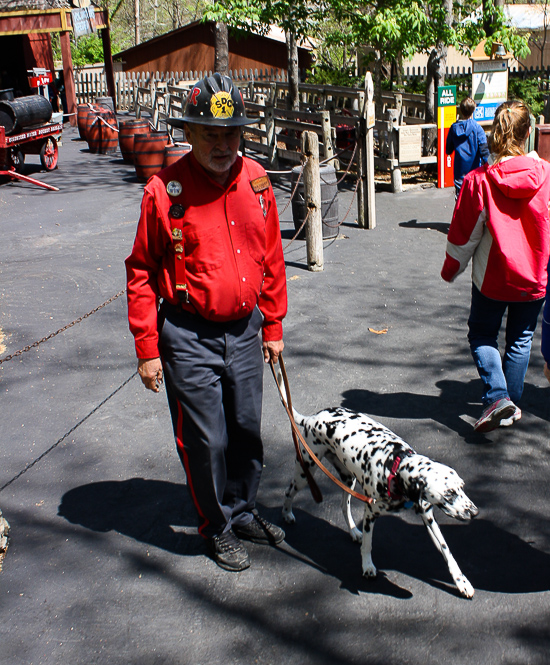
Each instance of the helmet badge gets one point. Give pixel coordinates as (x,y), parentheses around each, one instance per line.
(221,105)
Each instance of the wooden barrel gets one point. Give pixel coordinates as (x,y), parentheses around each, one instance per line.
(105,102)
(174,152)
(81,111)
(93,129)
(149,153)
(128,129)
(108,132)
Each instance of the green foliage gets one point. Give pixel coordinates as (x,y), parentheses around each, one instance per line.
(87,50)
(326,75)
(528,91)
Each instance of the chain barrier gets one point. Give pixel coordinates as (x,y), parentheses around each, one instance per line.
(295,186)
(54,446)
(298,231)
(69,325)
(346,173)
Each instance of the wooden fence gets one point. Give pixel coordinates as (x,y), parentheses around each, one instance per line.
(331,112)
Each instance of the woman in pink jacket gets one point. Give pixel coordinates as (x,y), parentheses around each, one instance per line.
(501,222)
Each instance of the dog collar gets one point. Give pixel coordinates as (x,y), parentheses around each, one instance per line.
(391,478)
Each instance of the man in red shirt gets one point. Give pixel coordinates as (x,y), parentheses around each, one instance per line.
(205,275)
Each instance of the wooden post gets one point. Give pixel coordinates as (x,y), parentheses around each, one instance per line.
(393,139)
(68,75)
(327,139)
(108,60)
(366,210)
(312,199)
(271,135)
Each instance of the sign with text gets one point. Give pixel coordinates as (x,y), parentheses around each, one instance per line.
(446,115)
(410,144)
(489,86)
(83,21)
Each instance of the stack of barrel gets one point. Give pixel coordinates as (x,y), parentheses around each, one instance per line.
(97,124)
(149,150)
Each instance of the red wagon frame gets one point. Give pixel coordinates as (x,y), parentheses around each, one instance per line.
(40,140)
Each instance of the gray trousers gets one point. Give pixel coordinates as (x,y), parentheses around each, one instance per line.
(214,382)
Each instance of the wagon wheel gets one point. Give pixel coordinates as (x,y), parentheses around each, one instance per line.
(49,153)
(17,159)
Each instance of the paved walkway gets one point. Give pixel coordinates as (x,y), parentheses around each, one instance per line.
(105,565)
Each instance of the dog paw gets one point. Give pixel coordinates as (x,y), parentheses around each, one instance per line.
(464,586)
(356,535)
(369,569)
(288,516)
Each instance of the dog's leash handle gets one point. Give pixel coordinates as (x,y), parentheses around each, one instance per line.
(296,434)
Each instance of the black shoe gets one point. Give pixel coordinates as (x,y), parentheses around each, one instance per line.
(260,531)
(228,552)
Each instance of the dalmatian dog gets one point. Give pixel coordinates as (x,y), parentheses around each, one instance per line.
(389,471)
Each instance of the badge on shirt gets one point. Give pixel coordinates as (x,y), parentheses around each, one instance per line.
(176,211)
(174,188)
(263,204)
(177,234)
(259,184)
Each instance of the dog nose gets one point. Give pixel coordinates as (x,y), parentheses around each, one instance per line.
(474,510)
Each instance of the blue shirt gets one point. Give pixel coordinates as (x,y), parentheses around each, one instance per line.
(467,140)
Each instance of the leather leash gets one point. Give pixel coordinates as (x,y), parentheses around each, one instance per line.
(297,435)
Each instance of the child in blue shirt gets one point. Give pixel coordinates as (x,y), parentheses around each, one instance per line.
(467,140)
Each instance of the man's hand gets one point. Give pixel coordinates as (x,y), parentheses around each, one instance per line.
(272,350)
(150,371)
(547,372)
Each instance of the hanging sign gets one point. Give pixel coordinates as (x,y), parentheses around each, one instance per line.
(446,115)
(83,21)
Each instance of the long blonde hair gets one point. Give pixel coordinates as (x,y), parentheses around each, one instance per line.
(510,130)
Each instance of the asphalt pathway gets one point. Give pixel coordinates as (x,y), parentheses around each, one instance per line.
(105,564)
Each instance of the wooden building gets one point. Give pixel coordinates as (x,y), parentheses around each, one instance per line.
(191,48)
(25,43)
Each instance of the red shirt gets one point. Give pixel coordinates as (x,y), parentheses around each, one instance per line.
(231,249)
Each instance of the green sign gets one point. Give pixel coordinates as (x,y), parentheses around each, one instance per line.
(446,95)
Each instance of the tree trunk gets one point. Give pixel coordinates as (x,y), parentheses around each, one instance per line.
(221,49)
(437,64)
(488,18)
(378,105)
(293,71)
(137,25)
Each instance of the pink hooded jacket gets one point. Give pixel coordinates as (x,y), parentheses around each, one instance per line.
(501,220)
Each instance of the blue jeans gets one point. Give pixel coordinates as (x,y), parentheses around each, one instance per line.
(501,377)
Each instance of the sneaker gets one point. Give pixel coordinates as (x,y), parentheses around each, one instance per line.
(228,552)
(260,531)
(510,421)
(494,414)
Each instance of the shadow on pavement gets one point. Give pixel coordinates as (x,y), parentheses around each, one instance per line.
(493,559)
(456,400)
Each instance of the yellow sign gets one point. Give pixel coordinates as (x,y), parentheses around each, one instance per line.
(221,105)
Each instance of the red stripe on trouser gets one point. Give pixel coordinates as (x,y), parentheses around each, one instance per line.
(185,460)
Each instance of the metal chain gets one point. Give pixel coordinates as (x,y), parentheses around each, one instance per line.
(298,231)
(52,447)
(69,325)
(296,185)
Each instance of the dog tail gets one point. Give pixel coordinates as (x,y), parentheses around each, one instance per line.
(298,417)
